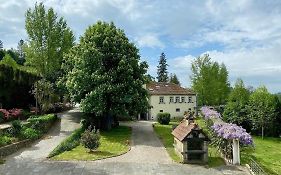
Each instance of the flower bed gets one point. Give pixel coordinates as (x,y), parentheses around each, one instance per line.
(12,114)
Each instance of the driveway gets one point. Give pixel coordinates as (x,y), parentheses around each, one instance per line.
(147,156)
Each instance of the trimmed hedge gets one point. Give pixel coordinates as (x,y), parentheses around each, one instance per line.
(69,143)
(164,118)
(42,123)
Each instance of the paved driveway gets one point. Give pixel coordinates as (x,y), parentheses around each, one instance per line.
(147,156)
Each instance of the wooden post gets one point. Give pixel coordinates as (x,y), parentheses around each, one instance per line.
(236,152)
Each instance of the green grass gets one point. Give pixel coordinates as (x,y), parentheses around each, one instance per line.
(164,133)
(113,143)
(267,153)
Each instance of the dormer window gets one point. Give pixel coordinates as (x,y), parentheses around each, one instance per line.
(161,100)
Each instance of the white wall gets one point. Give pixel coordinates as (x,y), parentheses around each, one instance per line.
(170,107)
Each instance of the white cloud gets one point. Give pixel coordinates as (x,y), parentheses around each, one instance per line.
(149,40)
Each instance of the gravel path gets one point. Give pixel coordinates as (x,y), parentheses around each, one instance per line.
(147,156)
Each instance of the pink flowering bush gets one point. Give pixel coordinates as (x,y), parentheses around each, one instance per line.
(231,131)
(209,113)
(10,114)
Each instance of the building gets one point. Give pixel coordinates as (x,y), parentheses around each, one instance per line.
(190,142)
(171,98)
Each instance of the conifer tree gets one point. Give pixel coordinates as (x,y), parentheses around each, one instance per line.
(162,73)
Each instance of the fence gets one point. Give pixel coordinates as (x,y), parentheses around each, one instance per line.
(255,168)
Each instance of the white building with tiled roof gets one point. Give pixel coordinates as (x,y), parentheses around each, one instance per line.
(171,98)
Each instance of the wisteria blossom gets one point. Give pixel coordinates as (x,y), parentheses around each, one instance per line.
(232,131)
(209,113)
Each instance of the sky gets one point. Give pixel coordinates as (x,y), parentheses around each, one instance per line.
(245,35)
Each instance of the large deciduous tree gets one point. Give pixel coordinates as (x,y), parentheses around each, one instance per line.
(106,75)
(49,38)
(209,81)
(262,109)
(162,73)
(236,107)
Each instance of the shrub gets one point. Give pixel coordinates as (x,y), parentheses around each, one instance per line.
(164,118)
(42,122)
(30,133)
(15,113)
(16,128)
(2,117)
(90,139)
(5,140)
(69,143)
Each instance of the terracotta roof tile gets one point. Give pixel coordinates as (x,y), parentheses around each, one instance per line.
(160,88)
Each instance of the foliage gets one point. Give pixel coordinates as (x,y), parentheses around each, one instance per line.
(262,106)
(164,118)
(44,94)
(209,81)
(30,133)
(174,79)
(42,123)
(162,73)
(235,110)
(15,84)
(5,140)
(209,113)
(69,143)
(8,60)
(90,139)
(20,51)
(112,143)
(49,38)
(16,127)
(106,73)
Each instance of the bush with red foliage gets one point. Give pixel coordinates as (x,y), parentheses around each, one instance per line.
(11,114)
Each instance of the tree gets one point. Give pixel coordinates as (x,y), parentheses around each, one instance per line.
(236,107)
(1,45)
(209,81)
(149,78)
(174,79)
(262,109)
(106,75)
(162,73)
(49,39)
(8,60)
(20,51)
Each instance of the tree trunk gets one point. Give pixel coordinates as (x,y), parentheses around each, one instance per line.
(262,132)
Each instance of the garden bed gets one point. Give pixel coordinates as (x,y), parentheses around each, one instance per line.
(113,143)
(22,134)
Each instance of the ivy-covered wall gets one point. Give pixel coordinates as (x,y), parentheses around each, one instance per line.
(15,87)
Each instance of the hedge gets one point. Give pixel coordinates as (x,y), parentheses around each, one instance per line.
(15,86)
(42,123)
(164,118)
(69,143)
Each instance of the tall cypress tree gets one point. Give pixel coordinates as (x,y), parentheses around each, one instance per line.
(162,69)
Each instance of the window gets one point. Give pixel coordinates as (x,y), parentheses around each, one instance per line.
(161,110)
(161,100)
(183,99)
(177,99)
(189,99)
(171,99)
(178,110)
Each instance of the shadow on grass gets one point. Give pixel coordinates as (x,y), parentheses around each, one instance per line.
(101,153)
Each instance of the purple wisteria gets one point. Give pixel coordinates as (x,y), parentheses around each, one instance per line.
(209,113)
(232,131)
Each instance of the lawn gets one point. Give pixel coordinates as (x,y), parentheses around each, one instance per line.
(267,153)
(164,133)
(113,143)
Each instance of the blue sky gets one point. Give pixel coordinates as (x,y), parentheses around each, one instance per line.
(243,34)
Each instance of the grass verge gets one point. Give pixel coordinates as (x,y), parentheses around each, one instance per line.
(164,133)
(113,143)
(267,152)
